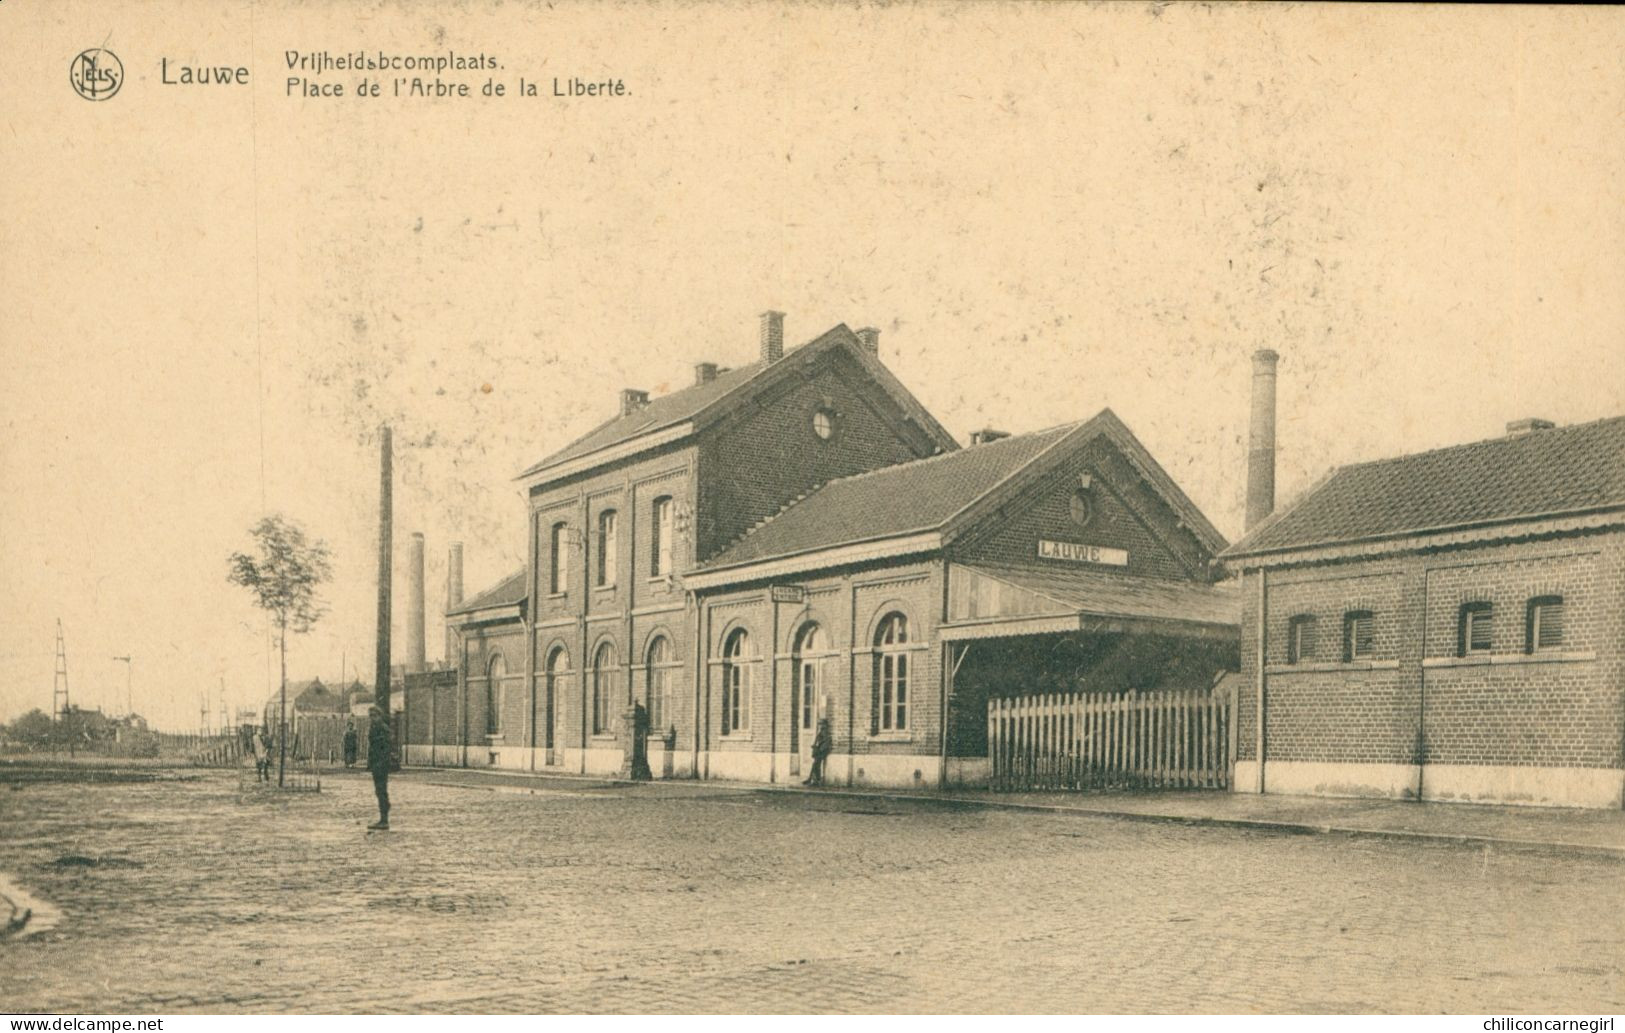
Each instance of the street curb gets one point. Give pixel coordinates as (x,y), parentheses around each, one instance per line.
(1195,821)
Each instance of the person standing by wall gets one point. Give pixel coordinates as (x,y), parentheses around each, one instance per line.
(378,763)
(821,745)
(351,743)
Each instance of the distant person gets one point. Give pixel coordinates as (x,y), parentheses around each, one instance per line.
(378,764)
(821,746)
(351,744)
(262,756)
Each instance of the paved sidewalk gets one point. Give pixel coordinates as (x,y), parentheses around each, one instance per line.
(1589,832)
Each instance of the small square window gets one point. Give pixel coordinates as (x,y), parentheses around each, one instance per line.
(1545,624)
(1359,635)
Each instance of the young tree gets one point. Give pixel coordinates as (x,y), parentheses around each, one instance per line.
(284,578)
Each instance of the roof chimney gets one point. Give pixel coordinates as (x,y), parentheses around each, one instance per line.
(1518,428)
(772,336)
(869,337)
(1261,447)
(705,372)
(632,400)
(986,434)
(414,604)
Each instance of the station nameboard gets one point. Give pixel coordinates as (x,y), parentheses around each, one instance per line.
(788,594)
(1074,552)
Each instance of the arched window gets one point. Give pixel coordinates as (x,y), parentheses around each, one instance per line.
(736,683)
(891,674)
(660,534)
(603,689)
(558,662)
(658,683)
(494,673)
(608,547)
(557,540)
(808,677)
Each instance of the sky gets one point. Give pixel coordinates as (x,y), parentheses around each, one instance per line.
(212,296)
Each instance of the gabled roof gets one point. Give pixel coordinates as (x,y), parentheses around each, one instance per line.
(1543,474)
(941,494)
(507,592)
(701,404)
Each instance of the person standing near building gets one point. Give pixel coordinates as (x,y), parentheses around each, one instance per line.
(378,764)
(351,744)
(821,745)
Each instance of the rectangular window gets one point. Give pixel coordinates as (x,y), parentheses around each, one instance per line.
(1475,634)
(894,692)
(657,699)
(1545,624)
(1300,639)
(661,531)
(559,580)
(1359,635)
(608,547)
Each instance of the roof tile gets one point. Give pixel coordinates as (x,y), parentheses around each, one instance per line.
(1533,475)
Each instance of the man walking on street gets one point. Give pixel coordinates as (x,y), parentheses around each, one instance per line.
(378,764)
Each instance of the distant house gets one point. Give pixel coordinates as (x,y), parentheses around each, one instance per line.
(305,697)
(1448,625)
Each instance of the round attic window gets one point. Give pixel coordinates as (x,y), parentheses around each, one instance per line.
(1083,510)
(823,423)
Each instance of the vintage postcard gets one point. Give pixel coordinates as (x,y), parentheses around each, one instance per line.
(904,508)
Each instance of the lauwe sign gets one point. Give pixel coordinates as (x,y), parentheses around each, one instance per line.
(1075,552)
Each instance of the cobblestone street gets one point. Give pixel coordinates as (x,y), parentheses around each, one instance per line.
(181,896)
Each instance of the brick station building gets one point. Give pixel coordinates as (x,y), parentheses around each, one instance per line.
(1443,626)
(798,538)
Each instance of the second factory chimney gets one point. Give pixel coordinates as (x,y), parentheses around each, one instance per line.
(414,605)
(1261,443)
(454,596)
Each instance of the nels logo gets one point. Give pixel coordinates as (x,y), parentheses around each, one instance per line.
(96,74)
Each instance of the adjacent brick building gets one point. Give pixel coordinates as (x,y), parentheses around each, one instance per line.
(1444,626)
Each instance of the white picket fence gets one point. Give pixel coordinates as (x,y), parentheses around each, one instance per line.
(1156,740)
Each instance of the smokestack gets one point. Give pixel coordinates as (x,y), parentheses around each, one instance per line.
(772,336)
(869,337)
(386,480)
(1261,446)
(454,595)
(414,604)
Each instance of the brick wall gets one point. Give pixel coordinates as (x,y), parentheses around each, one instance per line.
(1124,514)
(766,455)
(848,606)
(1416,700)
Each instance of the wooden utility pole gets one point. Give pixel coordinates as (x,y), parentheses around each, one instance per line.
(385,560)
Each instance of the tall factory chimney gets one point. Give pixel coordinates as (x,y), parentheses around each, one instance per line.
(414,604)
(454,596)
(386,481)
(1261,446)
